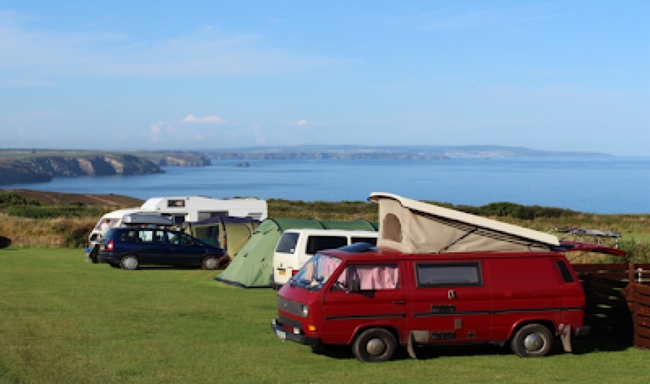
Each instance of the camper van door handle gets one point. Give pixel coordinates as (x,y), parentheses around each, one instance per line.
(402,302)
(451,294)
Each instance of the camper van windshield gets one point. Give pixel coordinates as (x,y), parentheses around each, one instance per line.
(315,272)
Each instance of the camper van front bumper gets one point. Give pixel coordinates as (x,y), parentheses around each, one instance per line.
(299,337)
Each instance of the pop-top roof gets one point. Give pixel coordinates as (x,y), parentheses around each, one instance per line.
(412,226)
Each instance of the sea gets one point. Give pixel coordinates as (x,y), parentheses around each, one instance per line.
(603,185)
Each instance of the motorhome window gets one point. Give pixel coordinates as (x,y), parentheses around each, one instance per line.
(111,223)
(287,243)
(318,243)
(175,203)
(371,277)
(178,219)
(369,240)
(564,270)
(448,274)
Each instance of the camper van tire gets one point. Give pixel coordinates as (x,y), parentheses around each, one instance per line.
(532,340)
(130,262)
(210,262)
(374,344)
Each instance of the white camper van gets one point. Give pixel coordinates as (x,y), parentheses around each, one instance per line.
(186,208)
(297,246)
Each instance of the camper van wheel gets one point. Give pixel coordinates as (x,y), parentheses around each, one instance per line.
(533,340)
(210,262)
(129,262)
(374,344)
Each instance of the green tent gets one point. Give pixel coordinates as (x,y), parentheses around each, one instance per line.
(253,265)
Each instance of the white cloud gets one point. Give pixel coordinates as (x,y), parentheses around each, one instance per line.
(302,122)
(193,129)
(204,119)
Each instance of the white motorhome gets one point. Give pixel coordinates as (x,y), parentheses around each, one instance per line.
(186,208)
(113,219)
(296,246)
(195,208)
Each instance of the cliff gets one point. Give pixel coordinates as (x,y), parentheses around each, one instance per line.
(176,159)
(41,169)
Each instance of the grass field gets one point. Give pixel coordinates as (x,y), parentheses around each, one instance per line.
(63,320)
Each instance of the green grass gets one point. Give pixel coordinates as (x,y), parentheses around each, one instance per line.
(63,320)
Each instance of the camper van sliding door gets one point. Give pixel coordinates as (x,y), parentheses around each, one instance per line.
(450,302)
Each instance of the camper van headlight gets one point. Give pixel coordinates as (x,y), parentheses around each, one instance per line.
(305,310)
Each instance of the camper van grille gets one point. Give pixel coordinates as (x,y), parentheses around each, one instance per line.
(292,307)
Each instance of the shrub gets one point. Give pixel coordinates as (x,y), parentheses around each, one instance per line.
(637,251)
(11,198)
(54,211)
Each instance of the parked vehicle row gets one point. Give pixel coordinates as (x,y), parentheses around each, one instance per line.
(429,276)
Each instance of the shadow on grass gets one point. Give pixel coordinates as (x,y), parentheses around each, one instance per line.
(599,342)
(168,268)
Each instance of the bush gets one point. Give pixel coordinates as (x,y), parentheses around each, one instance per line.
(11,199)
(76,237)
(54,211)
(637,251)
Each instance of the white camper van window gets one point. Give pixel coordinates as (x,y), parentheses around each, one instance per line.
(319,243)
(287,243)
(369,240)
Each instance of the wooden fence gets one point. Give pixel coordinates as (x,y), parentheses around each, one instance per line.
(638,298)
(615,304)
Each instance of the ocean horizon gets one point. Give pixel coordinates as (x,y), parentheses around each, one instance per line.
(592,185)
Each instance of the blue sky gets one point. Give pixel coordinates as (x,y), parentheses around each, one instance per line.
(549,75)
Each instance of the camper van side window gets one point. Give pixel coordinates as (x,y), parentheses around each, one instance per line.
(369,277)
(448,274)
(318,243)
(369,240)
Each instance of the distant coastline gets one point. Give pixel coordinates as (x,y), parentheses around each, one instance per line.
(23,166)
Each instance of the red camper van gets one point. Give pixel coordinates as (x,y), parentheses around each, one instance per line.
(437,276)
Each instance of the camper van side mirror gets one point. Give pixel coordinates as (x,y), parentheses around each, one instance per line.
(354,285)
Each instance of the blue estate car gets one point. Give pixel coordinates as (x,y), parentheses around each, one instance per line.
(128,248)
